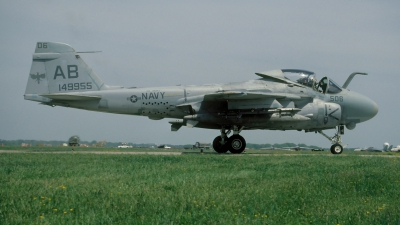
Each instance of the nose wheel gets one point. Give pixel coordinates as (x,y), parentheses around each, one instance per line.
(336,149)
(236,144)
(336,140)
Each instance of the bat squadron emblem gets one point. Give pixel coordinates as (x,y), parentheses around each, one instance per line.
(38,77)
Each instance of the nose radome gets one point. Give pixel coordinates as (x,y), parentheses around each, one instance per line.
(370,109)
(375,109)
(359,107)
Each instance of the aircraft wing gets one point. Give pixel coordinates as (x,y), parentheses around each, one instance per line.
(243,95)
(71,97)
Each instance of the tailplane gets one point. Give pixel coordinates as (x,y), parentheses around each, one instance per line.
(57,70)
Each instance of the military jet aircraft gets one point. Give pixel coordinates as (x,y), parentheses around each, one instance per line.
(286,99)
(298,148)
(396,149)
(386,148)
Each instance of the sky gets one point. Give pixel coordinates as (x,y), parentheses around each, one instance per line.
(167,43)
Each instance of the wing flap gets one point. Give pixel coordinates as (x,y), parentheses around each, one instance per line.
(71,97)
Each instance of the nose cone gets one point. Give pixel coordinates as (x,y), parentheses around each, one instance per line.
(370,109)
(360,108)
(375,111)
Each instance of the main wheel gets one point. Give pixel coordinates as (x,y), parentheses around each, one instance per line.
(236,144)
(336,149)
(218,147)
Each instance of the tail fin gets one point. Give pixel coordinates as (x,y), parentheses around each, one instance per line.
(385,147)
(57,68)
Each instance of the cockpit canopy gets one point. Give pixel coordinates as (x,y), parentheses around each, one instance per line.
(303,77)
(309,79)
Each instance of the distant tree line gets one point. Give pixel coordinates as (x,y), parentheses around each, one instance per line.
(284,145)
(54,143)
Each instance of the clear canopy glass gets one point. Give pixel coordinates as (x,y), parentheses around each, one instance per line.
(309,80)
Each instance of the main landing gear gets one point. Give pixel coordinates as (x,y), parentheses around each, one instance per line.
(235,143)
(336,140)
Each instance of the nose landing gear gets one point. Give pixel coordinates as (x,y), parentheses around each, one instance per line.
(235,143)
(336,140)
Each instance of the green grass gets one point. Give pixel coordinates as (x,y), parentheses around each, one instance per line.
(207,151)
(198,189)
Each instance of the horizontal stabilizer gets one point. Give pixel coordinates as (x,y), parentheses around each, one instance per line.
(70,97)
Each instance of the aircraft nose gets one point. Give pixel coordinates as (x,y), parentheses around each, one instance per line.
(375,110)
(360,108)
(368,110)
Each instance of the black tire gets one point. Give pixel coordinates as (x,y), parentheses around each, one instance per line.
(336,149)
(218,147)
(236,144)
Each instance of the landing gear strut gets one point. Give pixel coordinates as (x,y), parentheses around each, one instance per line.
(336,140)
(235,143)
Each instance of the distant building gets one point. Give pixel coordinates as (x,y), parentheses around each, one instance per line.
(24,144)
(164,146)
(124,145)
(202,145)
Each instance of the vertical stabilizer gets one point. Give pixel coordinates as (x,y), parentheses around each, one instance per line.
(385,147)
(57,68)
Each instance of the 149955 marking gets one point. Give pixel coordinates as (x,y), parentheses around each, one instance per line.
(75,86)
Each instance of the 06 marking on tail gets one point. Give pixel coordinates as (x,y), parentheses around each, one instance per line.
(41,45)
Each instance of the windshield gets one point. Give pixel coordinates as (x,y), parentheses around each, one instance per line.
(332,88)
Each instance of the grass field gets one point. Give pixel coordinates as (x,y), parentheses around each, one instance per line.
(271,188)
